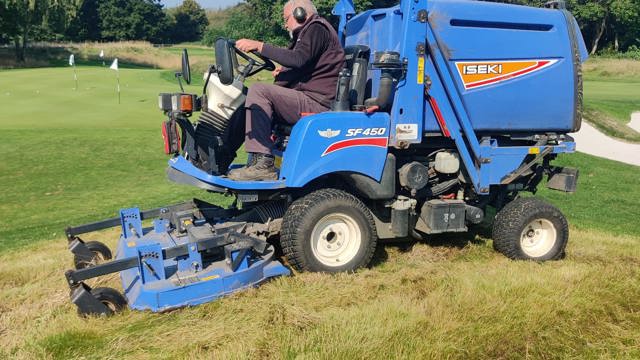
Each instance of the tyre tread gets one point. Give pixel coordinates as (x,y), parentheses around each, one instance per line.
(292,245)
(511,219)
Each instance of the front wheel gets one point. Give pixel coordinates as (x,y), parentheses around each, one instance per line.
(530,229)
(328,230)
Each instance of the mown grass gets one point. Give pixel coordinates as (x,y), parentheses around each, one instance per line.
(76,156)
(611,94)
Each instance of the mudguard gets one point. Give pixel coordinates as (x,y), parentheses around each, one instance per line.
(333,142)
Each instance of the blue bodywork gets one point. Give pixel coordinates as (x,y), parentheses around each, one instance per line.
(160,284)
(449,32)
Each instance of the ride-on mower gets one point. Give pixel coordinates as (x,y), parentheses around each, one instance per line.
(444,109)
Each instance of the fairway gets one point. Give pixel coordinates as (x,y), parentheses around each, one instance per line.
(611,94)
(78,156)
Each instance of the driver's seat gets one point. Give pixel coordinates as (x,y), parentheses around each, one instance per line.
(357,62)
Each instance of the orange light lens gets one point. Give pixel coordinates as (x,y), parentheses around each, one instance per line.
(186,103)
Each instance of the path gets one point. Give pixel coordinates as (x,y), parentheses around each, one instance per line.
(591,141)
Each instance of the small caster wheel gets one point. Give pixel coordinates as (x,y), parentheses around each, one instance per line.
(101,253)
(112,299)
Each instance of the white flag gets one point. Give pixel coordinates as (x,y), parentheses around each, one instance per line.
(101,54)
(114,65)
(72,60)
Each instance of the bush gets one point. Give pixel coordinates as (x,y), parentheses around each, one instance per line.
(242,24)
(632,53)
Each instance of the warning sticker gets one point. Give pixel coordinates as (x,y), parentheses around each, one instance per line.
(407,131)
(420,70)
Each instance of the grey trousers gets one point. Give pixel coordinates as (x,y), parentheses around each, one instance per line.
(267,103)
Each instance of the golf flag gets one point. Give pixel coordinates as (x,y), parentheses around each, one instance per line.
(72,62)
(101,53)
(114,66)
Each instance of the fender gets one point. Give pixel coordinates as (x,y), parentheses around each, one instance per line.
(332,142)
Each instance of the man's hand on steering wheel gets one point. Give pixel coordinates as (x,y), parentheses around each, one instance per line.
(258,62)
(248,45)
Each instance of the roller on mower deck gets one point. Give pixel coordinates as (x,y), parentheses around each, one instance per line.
(444,112)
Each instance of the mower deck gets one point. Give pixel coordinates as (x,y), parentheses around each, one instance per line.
(185,259)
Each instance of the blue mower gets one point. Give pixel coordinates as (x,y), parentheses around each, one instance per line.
(444,110)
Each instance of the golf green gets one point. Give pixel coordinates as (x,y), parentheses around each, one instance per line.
(72,156)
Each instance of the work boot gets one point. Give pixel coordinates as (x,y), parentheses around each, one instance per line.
(259,167)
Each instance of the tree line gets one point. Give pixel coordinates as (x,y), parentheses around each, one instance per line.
(24,21)
(607,25)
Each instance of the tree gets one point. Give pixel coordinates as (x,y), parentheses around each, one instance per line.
(22,16)
(24,20)
(86,22)
(132,20)
(190,21)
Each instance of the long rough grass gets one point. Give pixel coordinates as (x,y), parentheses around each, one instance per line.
(460,300)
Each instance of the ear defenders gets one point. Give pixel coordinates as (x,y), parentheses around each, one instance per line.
(300,14)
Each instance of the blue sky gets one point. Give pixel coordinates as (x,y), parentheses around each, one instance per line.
(207,4)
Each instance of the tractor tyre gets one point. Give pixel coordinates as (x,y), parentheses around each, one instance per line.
(328,230)
(111,298)
(101,253)
(530,229)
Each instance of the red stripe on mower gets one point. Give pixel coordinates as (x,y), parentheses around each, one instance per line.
(372,141)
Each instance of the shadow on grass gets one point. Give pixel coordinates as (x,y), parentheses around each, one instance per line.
(476,235)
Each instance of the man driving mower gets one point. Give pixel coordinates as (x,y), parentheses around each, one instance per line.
(306,83)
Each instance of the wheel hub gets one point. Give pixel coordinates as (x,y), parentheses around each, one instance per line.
(335,239)
(538,238)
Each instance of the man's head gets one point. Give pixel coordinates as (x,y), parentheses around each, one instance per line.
(290,23)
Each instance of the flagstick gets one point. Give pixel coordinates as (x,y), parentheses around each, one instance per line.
(75,75)
(118,77)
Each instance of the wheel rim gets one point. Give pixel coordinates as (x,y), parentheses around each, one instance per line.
(336,239)
(538,238)
(112,306)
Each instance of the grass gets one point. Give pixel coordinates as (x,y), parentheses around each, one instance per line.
(607,197)
(459,300)
(76,156)
(73,156)
(611,94)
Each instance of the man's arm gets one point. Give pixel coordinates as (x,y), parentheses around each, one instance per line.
(308,47)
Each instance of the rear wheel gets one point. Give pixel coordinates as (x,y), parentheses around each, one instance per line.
(530,229)
(328,230)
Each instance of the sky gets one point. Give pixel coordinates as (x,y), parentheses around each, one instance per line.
(207,4)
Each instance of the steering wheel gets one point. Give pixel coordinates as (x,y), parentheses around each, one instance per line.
(254,66)
(226,55)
